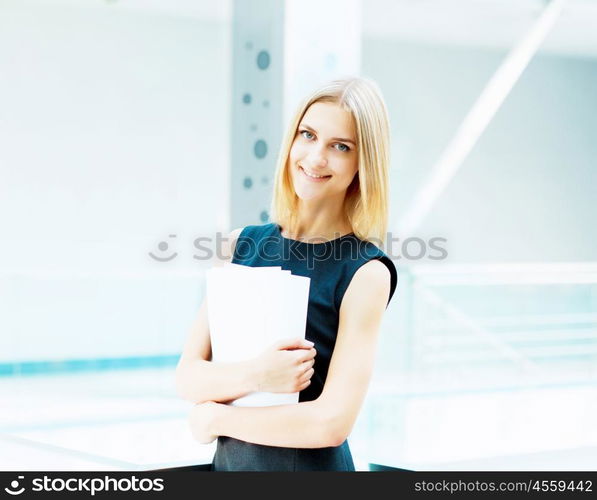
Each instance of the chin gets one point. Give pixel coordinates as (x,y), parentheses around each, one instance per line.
(307,196)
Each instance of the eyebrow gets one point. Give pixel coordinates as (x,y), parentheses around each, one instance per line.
(333,138)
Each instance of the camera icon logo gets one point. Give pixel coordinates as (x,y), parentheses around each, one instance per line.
(13,487)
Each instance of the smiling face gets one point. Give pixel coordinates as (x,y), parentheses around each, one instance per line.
(323,159)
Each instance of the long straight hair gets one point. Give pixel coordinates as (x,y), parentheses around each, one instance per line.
(366,201)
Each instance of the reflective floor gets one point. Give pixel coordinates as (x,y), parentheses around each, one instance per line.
(132,420)
(124,420)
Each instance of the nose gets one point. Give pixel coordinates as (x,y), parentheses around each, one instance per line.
(316,158)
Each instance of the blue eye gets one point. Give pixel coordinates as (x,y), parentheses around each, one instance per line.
(345,149)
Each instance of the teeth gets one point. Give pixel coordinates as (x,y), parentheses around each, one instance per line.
(313,175)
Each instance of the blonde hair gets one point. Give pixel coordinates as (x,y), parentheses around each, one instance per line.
(366,201)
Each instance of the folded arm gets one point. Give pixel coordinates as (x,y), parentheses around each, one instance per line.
(329,419)
(285,366)
(198,378)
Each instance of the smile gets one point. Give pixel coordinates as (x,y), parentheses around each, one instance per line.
(313,177)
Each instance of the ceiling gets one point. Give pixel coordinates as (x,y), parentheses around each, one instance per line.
(495,24)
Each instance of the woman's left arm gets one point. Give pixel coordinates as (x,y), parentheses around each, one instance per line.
(328,420)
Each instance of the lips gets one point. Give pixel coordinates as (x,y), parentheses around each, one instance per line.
(314,178)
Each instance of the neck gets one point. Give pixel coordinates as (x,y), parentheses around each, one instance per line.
(320,220)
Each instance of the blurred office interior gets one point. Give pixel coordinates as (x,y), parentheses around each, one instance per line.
(132,126)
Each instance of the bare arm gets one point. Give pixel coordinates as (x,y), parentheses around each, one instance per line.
(328,420)
(198,379)
(286,366)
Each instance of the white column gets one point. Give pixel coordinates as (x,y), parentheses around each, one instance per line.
(322,41)
(282,49)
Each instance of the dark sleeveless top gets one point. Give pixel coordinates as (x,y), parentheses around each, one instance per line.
(330,266)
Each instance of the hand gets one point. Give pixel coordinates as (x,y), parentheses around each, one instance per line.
(201,420)
(286,366)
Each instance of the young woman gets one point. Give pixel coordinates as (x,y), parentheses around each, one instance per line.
(329,206)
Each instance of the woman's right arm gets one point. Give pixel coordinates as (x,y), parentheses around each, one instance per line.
(284,367)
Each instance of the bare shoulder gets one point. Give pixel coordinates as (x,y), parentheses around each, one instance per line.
(372,274)
(225,253)
(370,285)
(233,236)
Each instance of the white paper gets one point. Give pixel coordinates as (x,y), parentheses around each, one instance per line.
(250,308)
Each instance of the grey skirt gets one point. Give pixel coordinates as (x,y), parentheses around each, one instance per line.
(234,455)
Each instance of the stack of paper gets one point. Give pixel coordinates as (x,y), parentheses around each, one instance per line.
(250,308)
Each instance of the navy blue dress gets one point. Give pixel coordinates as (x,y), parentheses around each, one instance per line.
(331,266)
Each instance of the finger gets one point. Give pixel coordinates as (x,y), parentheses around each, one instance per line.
(307,364)
(294,343)
(304,385)
(307,344)
(307,375)
(306,355)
